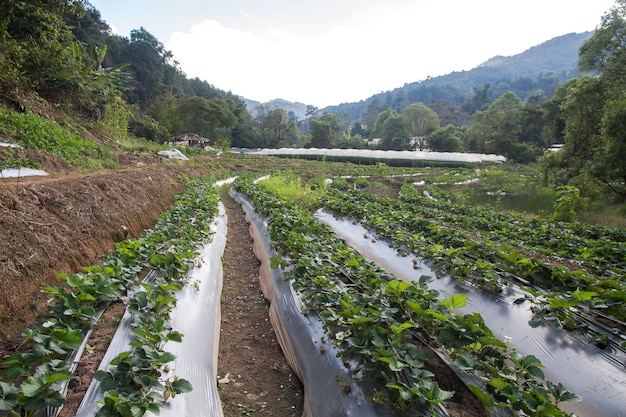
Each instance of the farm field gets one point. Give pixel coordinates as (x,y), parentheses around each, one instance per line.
(573,275)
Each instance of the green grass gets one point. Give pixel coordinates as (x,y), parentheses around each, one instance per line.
(290,187)
(141,146)
(34,132)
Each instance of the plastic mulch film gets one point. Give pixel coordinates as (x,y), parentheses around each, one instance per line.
(597,375)
(197,316)
(314,362)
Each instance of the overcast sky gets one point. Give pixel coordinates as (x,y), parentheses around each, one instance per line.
(327,52)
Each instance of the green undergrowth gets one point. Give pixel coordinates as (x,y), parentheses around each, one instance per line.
(14,158)
(35,132)
(141,146)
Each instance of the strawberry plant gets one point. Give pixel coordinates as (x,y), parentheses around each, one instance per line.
(135,382)
(382,323)
(444,234)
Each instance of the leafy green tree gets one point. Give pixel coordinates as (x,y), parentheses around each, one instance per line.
(369,118)
(205,117)
(377,132)
(274,129)
(311,111)
(357,129)
(498,128)
(598,144)
(242,135)
(36,46)
(393,131)
(446,139)
(479,100)
(553,123)
(144,126)
(149,61)
(87,25)
(334,122)
(609,163)
(420,121)
(322,135)
(532,125)
(350,141)
(605,51)
(450,114)
(582,112)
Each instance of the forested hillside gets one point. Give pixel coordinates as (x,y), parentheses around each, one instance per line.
(60,60)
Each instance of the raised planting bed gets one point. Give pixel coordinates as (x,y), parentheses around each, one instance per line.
(597,375)
(378,327)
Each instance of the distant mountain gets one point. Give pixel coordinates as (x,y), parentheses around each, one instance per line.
(298,109)
(540,69)
(556,55)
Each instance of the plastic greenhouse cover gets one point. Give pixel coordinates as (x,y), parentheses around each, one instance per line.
(197,316)
(596,375)
(397,155)
(314,362)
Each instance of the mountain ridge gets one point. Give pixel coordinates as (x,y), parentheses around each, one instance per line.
(544,66)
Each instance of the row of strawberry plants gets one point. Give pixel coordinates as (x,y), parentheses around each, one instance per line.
(599,248)
(381,322)
(33,379)
(482,262)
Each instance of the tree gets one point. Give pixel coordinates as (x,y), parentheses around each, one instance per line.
(553,123)
(591,142)
(311,110)
(377,132)
(357,129)
(334,122)
(321,134)
(274,129)
(450,114)
(605,51)
(36,47)
(447,139)
(351,141)
(609,164)
(205,117)
(498,128)
(149,67)
(479,100)
(371,115)
(582,112)
(420,121)
(533,119)
(393,131)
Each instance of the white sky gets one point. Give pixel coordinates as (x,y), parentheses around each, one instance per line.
(328,52)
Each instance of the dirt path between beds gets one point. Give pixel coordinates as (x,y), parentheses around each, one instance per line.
(260,382)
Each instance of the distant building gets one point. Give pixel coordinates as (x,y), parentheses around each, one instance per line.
(190,139)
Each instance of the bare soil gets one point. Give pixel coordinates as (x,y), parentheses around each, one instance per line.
(260,380)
